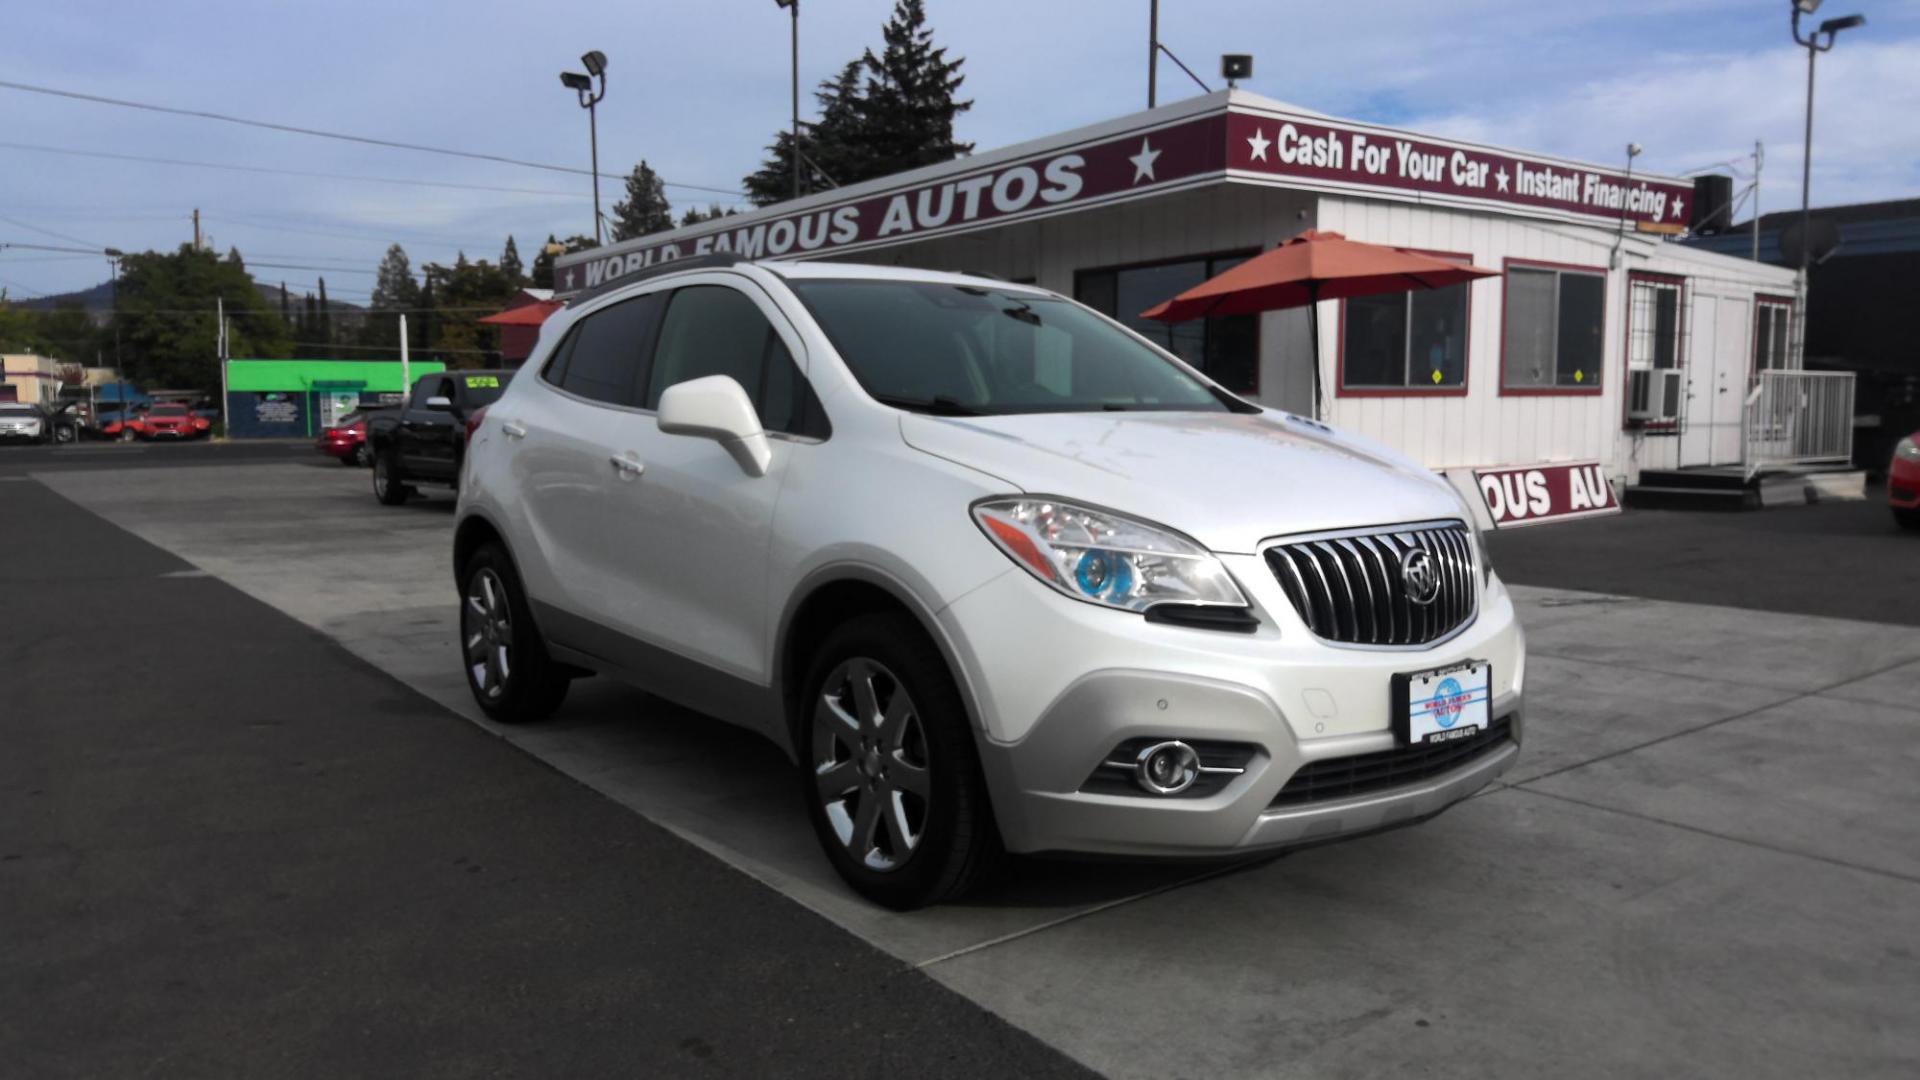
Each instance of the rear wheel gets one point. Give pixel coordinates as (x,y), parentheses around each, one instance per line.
(389,484)
(508,669)
(890,772)
(63,434)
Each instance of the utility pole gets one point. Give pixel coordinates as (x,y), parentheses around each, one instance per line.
(795,8)
(220,354)
(197,246)
(1759,159)
(1153,51)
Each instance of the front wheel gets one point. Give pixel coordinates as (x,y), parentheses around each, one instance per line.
(63,434)
(891,774)
(389,485)
(508,669)
(1908,519)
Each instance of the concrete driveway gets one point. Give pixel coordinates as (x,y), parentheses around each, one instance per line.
(1707,862)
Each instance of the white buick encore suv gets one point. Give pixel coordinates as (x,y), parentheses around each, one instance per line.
(998,573)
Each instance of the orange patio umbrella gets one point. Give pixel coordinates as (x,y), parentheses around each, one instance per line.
(1311,267)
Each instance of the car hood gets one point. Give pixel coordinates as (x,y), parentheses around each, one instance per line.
(1228,480)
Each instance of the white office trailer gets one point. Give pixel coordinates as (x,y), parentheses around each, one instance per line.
(1602,349)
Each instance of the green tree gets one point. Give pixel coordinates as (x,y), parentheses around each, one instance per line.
(907,108)
(695,215)
(459,296)
(510,264)
(645,209)
(881,115)
(394,291)
(167,341)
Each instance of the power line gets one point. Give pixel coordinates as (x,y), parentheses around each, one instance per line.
(321,269)
(367,140)
(49,232)
(287,172)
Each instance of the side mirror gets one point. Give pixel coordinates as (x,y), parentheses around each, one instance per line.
(715,407)
(438,403)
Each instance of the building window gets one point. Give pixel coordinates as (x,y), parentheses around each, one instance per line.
(1653,335)
(1408,342)
(1227,349)
(1774,319)
(1555,323)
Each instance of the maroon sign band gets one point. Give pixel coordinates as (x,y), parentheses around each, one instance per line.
(1370,157)
(1025,187)
(1542,493)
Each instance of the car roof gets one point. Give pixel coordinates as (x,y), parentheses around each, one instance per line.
(841,271)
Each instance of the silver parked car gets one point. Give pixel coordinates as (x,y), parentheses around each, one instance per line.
(998,573)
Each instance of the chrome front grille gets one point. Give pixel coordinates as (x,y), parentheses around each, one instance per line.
(1351,587)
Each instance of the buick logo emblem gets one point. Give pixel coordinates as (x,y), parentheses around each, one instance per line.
(1422,576)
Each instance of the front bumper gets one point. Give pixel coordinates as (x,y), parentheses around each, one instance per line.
(1059,684)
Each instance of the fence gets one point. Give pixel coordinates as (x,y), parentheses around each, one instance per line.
(1798,418)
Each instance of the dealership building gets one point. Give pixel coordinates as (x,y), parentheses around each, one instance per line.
(1602,352)
(269,399)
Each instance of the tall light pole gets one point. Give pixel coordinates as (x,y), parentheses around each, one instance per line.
(584,85)
(114,255)
(1817,42)
(793,157)
(1153,51)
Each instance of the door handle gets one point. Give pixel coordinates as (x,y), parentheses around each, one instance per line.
(627,465)
(514,429)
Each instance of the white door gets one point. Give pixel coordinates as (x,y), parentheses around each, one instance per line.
(1696,428)
(1732,352)
(696,527)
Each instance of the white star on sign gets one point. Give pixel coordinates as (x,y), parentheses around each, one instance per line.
(1677,204)
(1259,144)
(1143,162)
(569,277)
(1501,178)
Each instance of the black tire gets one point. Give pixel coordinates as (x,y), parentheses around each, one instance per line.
(389,482)
(1907,519)
(928,743)
(65,435)
(361,457)
(530,685)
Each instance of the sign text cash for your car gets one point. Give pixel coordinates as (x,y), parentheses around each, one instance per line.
(1244,146)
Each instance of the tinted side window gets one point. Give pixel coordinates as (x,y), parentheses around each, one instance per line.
(714,330)
(604,352)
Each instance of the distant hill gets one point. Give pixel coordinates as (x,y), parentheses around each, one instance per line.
(98,300)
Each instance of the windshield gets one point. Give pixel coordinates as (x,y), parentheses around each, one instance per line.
(10,409)
(962,350)
(485,389)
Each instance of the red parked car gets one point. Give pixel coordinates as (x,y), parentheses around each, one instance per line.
(1903,482)
(347,441)
(167,420)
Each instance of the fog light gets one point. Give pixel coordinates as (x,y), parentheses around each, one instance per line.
(1167,768)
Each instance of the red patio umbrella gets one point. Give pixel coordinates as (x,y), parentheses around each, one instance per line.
(1307,269)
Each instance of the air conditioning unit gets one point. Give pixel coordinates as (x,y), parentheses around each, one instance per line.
(1653,394)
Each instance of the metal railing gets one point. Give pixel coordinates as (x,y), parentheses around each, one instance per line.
(1798,418)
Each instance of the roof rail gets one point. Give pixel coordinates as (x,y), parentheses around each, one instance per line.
(690,262)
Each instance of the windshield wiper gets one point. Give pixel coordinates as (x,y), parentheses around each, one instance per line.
(938,405)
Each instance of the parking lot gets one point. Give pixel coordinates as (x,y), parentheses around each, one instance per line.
(1706,863)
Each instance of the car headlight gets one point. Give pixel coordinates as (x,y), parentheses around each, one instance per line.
(1480,550)
(1105,558)
(1906,450)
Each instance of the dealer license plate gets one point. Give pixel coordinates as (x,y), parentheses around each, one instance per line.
(1444,704)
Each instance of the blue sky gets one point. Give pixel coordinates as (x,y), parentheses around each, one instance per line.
(698,88)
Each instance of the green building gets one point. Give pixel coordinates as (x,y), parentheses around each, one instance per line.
(268,399)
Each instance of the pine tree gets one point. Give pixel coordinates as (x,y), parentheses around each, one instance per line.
(510,264)
(393,286)
(543,264)
(644,210)
(695,215)
(881,115)
(326,319)
(907,107)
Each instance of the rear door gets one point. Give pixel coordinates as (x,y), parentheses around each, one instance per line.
(692,529)
(563,435)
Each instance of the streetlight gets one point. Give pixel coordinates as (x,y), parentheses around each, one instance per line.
(793,7)
(596,64)
(1815,43)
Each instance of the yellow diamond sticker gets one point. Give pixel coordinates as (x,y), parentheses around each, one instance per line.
(1436,376)
(1579,376)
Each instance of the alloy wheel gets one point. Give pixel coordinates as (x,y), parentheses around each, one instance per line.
(486,627)
(870,763)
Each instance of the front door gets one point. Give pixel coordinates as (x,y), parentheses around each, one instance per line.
(694,525)
(1731,371)
(1696,425)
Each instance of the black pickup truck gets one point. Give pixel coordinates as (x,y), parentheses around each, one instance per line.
(425,440)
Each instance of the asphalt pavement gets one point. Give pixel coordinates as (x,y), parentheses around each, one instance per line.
(1845,560)
(228,847)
